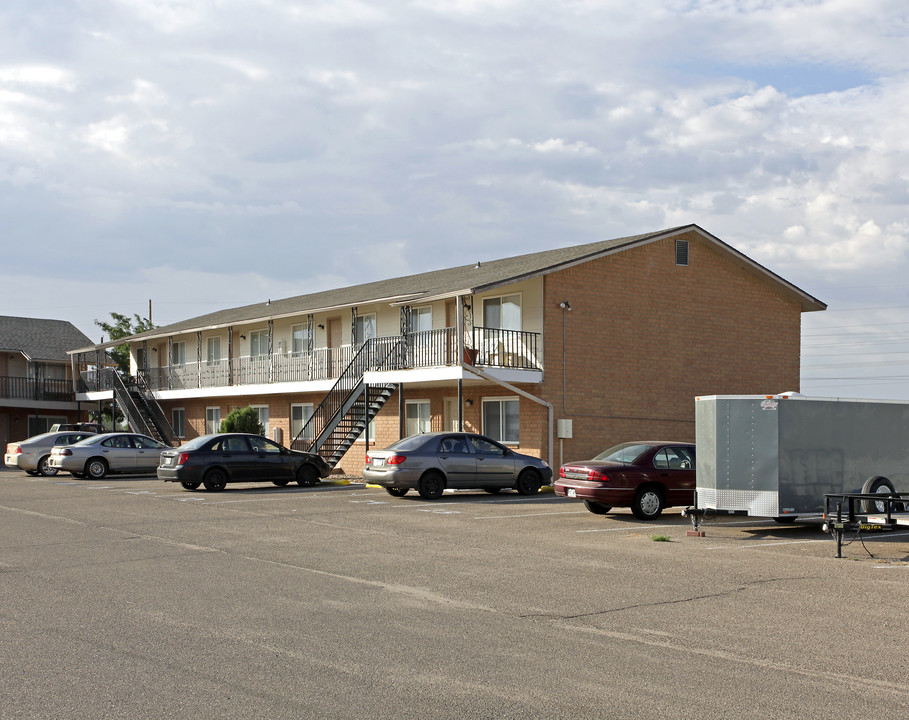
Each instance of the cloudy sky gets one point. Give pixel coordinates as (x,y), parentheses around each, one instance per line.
(211,153)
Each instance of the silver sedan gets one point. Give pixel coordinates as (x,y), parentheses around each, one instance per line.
(433,462)
(32,455)
(99,455)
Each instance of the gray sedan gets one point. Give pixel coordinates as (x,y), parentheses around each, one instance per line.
(432,462)
(99,455)
(31,455)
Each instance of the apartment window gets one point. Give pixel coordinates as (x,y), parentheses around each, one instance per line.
(299,416)
(262,412)
(213,350)
(681,252)
(299,339)
(365,328)
(258,343)
(178,353)
(502,313)
(212,420)
(502,419)
(421,319)
(178,420)
(417,419)
(41,424)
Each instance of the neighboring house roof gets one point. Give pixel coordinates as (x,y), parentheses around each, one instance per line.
(450,282)
(40,340)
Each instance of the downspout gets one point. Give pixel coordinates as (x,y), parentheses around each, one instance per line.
(540,401)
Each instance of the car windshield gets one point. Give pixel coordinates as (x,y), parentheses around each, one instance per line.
(624,453)
(409,443)
(195,443)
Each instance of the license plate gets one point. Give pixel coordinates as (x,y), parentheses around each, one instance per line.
(572,492)
(378,462)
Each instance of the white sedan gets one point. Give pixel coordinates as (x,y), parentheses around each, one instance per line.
(99,455)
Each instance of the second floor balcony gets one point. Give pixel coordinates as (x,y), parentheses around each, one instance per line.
(491,348)
(29,388)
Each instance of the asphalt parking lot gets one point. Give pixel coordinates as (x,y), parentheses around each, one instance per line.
(133,598)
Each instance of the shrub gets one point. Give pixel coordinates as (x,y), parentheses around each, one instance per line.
(245,420)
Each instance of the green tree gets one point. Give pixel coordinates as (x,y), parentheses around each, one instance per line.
(245,421)
(121,327)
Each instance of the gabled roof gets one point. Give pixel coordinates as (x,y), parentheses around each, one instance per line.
(40,340)
(449,282)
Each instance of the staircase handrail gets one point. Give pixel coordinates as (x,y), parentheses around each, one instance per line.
(165,429)
(370,356)
(134,417)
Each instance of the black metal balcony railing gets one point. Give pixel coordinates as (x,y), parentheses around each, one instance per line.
(492,347)
(25,388)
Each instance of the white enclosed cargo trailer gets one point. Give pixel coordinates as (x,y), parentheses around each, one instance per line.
(779,455)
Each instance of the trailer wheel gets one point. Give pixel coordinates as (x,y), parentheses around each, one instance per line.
(882,485)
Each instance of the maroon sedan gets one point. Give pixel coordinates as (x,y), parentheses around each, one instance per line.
(645,476)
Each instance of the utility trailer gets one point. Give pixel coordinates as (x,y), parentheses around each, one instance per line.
(779,456)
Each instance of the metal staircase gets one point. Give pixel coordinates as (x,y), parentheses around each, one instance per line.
(350,405)
(138,403)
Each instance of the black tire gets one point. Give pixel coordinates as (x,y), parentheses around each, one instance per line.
(189,485)
(45,469)
(307,475)
(493,490)
(648,503)
(529,482)
(396,491)
(597,508)
(878,484)
(431,486)
(215,480)
(96,468)
(280,483)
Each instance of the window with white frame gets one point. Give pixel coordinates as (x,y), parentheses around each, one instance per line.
(178,354)
(299,339)
(421,319)
(502,419)
(178,418)
(299,416)
(502,313)
(213,350)
(212,420)
(262,412)
(365,327)
(258,343)
(417,419)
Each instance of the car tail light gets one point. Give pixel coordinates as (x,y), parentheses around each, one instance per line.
(64,451)
(182,458)
(598,475)
(17,451)
(395,459)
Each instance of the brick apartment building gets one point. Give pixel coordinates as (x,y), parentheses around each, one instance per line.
(36,387)
(616,336)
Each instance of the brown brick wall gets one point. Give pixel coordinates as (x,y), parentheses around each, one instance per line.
(645,336)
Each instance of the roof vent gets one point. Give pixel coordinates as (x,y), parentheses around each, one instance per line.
(681,252)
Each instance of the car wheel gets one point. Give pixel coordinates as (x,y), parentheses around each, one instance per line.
(189,485)
(493,490)
(597,508)
(396,491)
(528,482)
(880,485)
(307,476)
(431,486)
(280,483)
(45,469)
(96,468)
(215,480)
(647,503)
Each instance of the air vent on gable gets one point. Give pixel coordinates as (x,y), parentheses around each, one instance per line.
(681,252)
